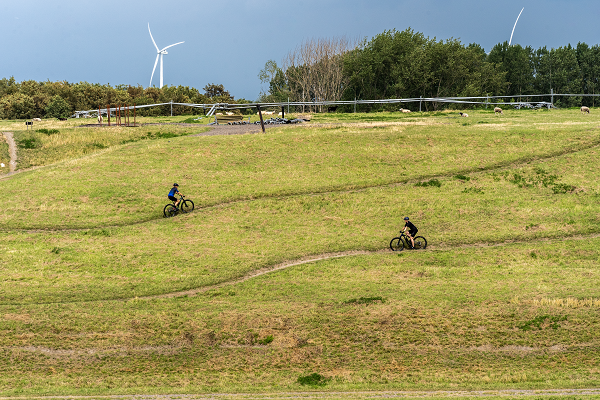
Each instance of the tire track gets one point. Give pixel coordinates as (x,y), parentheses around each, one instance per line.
(353,395)
(307,260)
(350,253)
(474,171)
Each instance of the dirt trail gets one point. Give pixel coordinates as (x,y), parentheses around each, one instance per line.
(320,257)
(260,272)
(375,394)
(327,256)
(12,149)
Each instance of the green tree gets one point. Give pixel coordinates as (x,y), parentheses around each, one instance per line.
(588,59)
(58,108)
(409,65)
(17,106)
(272,75)
(8,86)
(517,63)
(211,90)
(557,69)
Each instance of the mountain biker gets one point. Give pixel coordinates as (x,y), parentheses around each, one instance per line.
(173,192)
(412,231)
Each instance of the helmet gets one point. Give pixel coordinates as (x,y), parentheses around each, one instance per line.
(406,218)
(175,184)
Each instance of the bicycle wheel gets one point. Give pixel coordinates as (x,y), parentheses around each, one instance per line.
(169,211)
(397,244)
(187,206)
(420,242)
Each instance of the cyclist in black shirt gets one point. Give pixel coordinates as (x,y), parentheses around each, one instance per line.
(412,231)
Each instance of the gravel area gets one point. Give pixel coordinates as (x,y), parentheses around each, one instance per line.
(234,130)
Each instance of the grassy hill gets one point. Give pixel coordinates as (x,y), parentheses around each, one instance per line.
(505,296)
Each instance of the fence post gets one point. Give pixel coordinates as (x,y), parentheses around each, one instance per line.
(262,124)
(171,108)
(552,97)
(354,104)
(420,101)
(487,100)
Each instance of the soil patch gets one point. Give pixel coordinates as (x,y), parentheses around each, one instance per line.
(12,150)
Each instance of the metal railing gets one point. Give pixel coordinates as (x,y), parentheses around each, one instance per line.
(212,107)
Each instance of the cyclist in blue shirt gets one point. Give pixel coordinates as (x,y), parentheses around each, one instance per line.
(173,192)
(412,231)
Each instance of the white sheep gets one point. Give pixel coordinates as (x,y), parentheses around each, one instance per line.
(229,113)
(40,120)
(585,109)
(404,110)
(498,110)
(464,115)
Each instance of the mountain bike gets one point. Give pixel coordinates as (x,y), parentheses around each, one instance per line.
(184,206)
(398,243)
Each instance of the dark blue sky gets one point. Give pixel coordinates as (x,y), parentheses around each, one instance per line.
(229,42)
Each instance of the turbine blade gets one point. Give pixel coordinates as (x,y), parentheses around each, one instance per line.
(513,31)
(152,37)
(154,69)
(171,46)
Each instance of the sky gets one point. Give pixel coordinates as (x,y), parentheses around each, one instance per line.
(229,42)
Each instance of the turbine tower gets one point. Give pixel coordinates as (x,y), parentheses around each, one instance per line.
(160,53)
(513,31)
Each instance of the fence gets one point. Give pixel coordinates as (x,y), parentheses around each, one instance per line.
(475,100)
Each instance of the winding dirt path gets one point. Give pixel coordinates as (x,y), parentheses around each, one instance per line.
(321,394)
(260,272)
(315,258)
(327,256)
(473,171)
(12,150)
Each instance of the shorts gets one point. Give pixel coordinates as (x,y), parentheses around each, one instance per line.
(172,198)
(413,233)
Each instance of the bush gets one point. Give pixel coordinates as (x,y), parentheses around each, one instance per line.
(31,143)
(313,379)
(58,108)
(17,106)
(432,182)
(48,131)
(365,300)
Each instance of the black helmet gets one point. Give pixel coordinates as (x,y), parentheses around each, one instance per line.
(175,184)
(406,218)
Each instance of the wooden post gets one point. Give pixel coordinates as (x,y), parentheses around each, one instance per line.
(262,123)
(119,115)
(282,112)
(134,124)
(108,113)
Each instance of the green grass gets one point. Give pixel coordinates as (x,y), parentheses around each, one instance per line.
(100,188)
(505,296)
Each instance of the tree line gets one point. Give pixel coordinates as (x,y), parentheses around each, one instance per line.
(31,99)
(406,64)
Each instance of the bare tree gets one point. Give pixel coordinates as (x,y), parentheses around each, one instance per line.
(314,69)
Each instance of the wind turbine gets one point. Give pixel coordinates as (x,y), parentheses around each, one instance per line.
(513,31)
(160,53)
